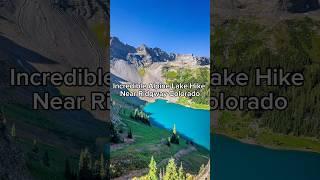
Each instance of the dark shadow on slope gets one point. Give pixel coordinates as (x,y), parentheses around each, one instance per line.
(23,54)
(300,6)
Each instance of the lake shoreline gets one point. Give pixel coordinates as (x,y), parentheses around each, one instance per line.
(254,143)
(178,103)
(162,111)
(183,136)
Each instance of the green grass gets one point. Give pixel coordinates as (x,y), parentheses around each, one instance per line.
(189,160)
(171,75)
(147,137)
(186,102)
(237,126)
(45,120)
(149,141)
(288,141)
(52,131)
(100,30)
(57,157)
(142,71)
(190,76)
(234,125)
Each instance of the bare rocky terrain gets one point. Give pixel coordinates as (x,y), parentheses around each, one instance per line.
(145,65)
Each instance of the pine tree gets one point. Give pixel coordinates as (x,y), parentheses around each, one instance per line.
(115,138)
(174,129)
(103,173)
(160,175)
(3,123)
(169,141)
(130,134)
(171,171)
(96,169)
(189,177)
(85,165)
(81,160)
(88,158)
(152,175)
(13,131)
(175,137)
(35,148)
(202,167)
(181,173)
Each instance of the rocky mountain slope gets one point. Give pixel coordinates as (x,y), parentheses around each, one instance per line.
(145,56)
(145,65)
(53,35)
(49,36)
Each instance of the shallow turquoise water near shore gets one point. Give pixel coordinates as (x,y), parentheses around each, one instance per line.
(192,123)
(233,160)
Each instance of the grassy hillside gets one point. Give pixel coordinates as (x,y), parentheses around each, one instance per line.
(60,136)
(241,126)
(186,76)
(134,154)
(294,45)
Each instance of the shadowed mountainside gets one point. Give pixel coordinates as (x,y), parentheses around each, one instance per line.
(50,36)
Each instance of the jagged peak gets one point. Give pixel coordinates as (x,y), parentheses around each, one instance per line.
(114,39)
(144,55)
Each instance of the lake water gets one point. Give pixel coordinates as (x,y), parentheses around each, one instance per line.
(192,123)
(233,160)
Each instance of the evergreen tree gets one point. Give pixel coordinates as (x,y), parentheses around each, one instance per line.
(141,116)
(2,126)
(130,134)
(3,122)
(169,141)
(35,148)
(171,171)
(13,131)
(181,173)
(85,165)
(202,167)
(189,177)
(175,137)
(103,173)
(96,170)
(81,160)
(160,175)
(115,138)
(152,175)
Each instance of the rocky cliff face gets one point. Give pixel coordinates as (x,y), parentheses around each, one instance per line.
(144,56)
(120,50)
(86,8)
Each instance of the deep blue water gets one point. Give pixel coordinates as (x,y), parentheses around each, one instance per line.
(192,123)
(233,160)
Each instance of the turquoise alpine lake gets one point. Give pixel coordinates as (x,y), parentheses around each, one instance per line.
(232,159)
(191,123)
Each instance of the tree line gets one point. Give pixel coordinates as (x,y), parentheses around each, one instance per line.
(294,45)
